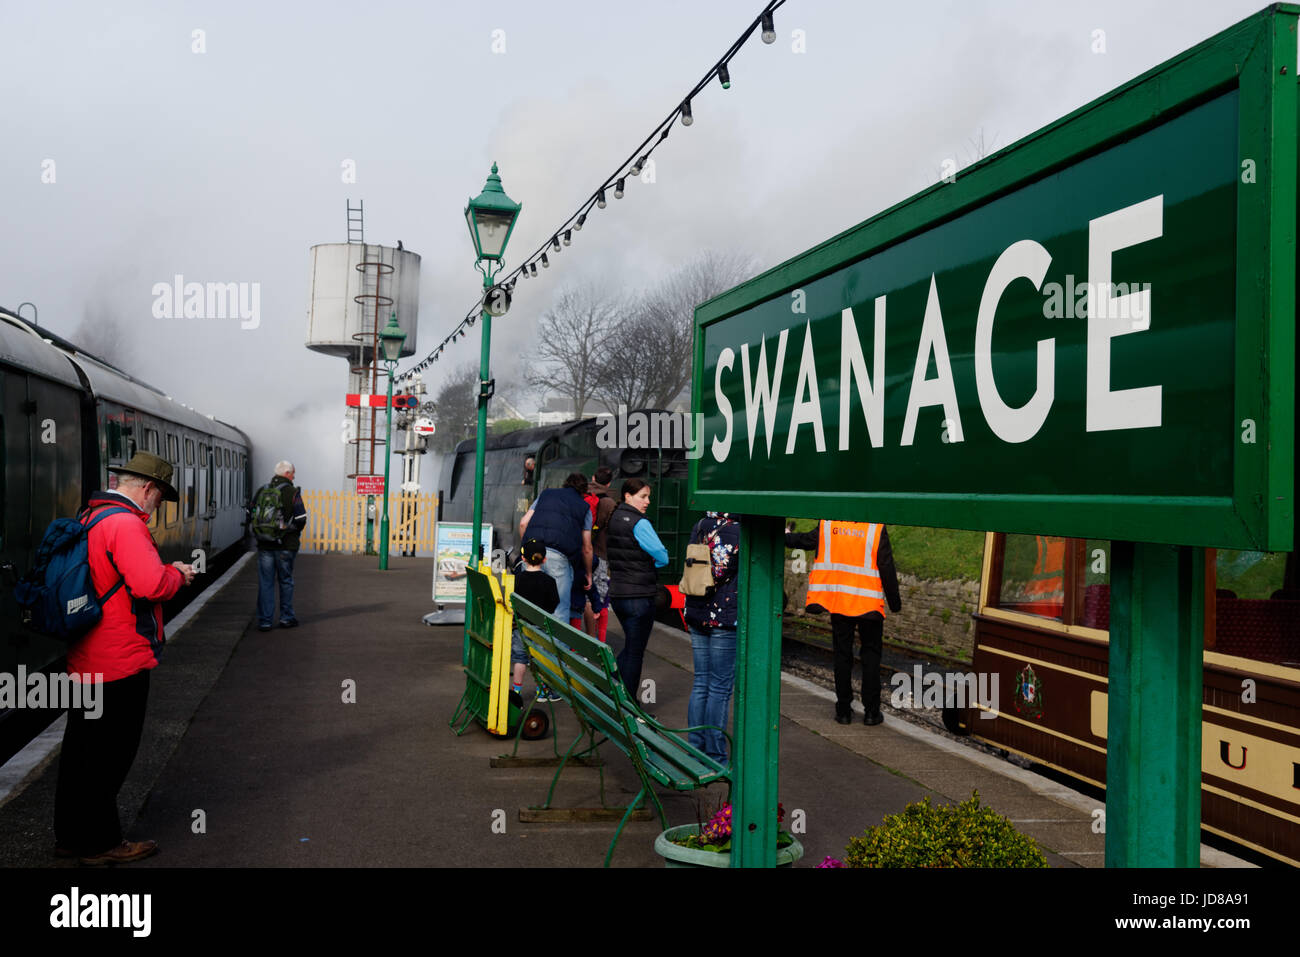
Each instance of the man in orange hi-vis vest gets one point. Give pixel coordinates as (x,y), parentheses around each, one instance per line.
(853,577)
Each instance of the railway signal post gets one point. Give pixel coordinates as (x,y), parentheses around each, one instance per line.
(920,369)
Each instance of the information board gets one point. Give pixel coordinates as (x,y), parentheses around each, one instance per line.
(453,555)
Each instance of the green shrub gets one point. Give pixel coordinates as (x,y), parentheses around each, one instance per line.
(944,835)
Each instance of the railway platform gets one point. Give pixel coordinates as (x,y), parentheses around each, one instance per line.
(328,745)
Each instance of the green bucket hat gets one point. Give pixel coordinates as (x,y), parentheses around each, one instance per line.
(147,465)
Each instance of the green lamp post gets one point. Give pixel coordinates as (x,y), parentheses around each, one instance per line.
(391,339)
(491,217)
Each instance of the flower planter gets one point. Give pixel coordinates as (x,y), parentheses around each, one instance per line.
(675,855)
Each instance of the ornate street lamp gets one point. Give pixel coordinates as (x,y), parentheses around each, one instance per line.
(491,218)
(391,339)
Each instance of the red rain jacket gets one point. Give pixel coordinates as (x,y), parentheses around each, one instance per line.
(129,638)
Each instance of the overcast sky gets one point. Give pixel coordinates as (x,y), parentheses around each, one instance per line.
(227,165)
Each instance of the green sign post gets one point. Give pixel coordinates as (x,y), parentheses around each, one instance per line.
(1091,334)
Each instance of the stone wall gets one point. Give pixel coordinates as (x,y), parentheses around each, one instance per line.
(936,614)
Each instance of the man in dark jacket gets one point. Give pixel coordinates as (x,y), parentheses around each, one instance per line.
(561,520)
(275,555)
(120,652)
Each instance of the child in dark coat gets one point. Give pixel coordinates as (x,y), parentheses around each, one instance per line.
(539,588)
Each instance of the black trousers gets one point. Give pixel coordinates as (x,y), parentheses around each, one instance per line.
(96,756)
(872,627)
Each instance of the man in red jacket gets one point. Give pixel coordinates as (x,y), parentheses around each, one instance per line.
(120,651)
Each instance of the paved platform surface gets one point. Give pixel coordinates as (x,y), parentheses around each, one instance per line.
(253,757)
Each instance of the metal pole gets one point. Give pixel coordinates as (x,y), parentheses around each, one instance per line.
(480,439)
(388,438)
(1153,740)
(758,692)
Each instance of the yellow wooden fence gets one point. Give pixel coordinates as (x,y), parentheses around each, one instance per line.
(336,522)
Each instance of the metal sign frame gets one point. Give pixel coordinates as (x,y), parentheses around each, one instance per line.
(1256,59)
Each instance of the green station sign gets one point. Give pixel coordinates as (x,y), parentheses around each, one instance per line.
(1090,333)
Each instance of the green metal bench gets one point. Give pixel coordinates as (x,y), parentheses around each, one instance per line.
(583,670)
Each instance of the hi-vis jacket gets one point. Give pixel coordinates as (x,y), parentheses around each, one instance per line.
(854,572)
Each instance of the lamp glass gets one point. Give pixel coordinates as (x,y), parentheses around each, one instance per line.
(490,232)
(391,339)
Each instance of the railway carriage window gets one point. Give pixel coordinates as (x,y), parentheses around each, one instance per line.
(174,451)
(1033,575)
(151,441)
(203,490)
(188,493)
(189,451)
(1095,610)
(113,430)
(1257,607)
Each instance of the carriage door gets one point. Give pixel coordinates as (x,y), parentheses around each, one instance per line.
(207,508)
(40,442)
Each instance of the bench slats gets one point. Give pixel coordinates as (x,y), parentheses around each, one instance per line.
(585,672)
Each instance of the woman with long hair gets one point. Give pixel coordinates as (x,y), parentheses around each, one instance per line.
(635,553)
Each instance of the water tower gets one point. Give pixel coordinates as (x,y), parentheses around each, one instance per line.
(355,286)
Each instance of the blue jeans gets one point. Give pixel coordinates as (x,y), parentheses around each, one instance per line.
(637,618)
(272,566)
(558,566)
(715,673)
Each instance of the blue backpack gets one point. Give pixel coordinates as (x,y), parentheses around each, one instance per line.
(57,597)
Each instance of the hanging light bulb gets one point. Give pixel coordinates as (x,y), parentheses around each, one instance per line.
(724,77)
(687,118)
(555,243)
(546,263)
(600,198)
(618,190)
(577,227)
(568,237)
(534,270)
(769,29)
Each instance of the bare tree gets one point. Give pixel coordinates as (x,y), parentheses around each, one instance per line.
(569,340)
(647,362)
(456,408)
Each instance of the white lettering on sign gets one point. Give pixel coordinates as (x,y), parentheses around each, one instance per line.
(721,446)
(1108,315)
(871,389)
(1025,259)
(761,394)
(939,390)
(809,411)
(1126,408)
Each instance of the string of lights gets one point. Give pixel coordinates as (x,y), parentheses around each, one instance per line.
(630,168)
